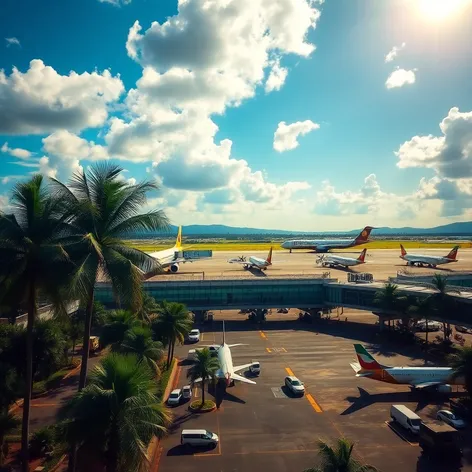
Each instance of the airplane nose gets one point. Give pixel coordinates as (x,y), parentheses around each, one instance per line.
(284,245)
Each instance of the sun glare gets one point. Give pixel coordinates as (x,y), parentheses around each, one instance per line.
(438,10)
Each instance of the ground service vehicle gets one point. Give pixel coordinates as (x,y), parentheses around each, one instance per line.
(440,441)
(186,392)
(405,417)
(198,437)
(94,344)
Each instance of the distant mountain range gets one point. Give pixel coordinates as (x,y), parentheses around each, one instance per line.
(455,229)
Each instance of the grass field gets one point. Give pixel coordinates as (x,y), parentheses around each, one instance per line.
(239,246)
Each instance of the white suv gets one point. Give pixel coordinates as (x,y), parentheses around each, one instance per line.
(294,385)
(194,336)
(175,397)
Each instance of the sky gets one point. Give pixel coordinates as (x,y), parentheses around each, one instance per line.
(302,115)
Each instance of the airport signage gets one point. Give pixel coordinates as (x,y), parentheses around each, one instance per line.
(360,277)
(202,254)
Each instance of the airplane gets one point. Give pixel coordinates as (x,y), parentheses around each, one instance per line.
(325,245)
(428,261)
(440,378)
(227,370)
(171,258)
(327,260)
(253,262)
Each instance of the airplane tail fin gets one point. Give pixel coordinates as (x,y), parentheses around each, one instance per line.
(366,361)
(178,241)
(363,236)
(269,257)
(362,255)
(403,250)
(453,253)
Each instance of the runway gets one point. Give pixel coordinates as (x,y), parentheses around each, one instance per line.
(382,263)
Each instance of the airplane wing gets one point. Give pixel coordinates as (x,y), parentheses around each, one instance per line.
(240,378)
(241,367)
(426,384)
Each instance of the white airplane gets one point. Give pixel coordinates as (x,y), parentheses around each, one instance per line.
(253,262)
(172,258)
(428,261)
(328,260)
(324,245)
(417,377)
(227,370)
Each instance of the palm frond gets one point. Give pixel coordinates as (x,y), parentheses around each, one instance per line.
(155,220)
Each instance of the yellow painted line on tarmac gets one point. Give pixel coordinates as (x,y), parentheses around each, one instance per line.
(201,338)
(289,371)
(44,404)
(263,335)
(268,350)
(203,454)
(285,350)
(313,403)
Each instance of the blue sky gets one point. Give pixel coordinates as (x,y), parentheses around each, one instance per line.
(268,113)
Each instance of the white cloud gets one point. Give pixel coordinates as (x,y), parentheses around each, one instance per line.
(70,146)
(393,53)
(286,136)
(10,178)
(41,100)
(16,152)
(12,42)
(450,155)
(276,77)
(399,78)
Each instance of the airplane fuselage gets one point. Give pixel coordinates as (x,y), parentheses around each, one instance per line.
(429,261)
(415,375)
(341,261)
(258,262)
(320,245)
(226,364)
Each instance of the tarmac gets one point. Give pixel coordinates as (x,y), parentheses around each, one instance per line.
(382,263)
(263,427)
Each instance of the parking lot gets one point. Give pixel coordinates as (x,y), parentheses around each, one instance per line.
(262,427)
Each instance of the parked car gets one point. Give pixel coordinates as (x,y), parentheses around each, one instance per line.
(255,368)
(294,385)
(186,392)
(175,397)
(432,326)
(194,336)
(282,310)
(405,417)
(198,437)
(450,418)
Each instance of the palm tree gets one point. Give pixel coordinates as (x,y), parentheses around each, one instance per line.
(138,340)
(173,323)
(105,210)
(120,402)
(119,322)
(461,362)
(441,301)
(148,309)
(422,309)
(34,264)
(389,298)
(8,424)
(339,458)
(204,368)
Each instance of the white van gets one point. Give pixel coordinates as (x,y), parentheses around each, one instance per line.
(198,437)
(405,417)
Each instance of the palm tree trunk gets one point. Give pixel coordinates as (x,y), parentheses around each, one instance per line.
(73,351)
(169,349)
(86,342)
(28,378)
(173,346)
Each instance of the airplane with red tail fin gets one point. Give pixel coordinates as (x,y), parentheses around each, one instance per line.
(428,261)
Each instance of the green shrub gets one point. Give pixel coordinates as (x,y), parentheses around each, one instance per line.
(42,441)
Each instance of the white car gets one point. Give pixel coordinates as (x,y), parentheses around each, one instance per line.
(194,336)
(187,392)
(432,326)
(294,385)
(450,418)
(175,397)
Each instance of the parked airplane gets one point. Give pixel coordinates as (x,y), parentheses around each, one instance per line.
(328,260)
(428,261)
(227,370)
(324,245)
(172,258)
(253,262)
(418,377)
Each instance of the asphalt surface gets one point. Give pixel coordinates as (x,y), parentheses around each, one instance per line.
(382,263)
(262,427)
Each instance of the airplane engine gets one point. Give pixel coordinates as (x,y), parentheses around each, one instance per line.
(446,388)
(174,268)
